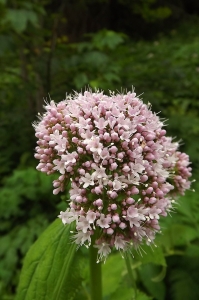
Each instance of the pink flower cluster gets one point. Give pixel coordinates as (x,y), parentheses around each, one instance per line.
(124,173)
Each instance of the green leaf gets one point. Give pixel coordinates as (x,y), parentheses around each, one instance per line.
(107,38)
(183,278)
(20,17)
(150,275)
(127,293)
(112,271)
(111,77)
(183,285)
(177,235)
(151,255)
(142,296)
(192,250)
(80,80)
(47,265)
(124,293)
(95,59)
(94,83)
(115,282)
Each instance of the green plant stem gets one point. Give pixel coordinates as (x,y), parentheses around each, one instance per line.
(130,273)
(95,275)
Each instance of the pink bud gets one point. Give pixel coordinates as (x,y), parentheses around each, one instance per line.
(80,150)
(81,171)
(98,190)
(150,137)
(56,191)
(99,202)
(75,140)
(114,166)
(130,200)
(113,194)
(67,119)
(122,225)
(134,190)
(114,136)
(110,231)
(69,169)
(120,155)
(115,218)
(159,193)
(113,206)
(126,169)
(154,184)
(152,200)
(149,190)
(56,184)
(113,149)
(149,156)
(144,178)
(79,199)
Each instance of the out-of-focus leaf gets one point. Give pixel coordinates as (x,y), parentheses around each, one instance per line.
(20,17)
(94,83)
(147,273)
(178,235)
(183,287)
(111,77)
(151,255)
(5,44)
(80,80)
(95,59)
(192,251)
(160,276)
(107,38)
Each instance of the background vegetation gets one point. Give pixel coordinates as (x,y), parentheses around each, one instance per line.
(50,48)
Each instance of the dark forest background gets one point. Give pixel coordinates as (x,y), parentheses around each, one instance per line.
(50,48)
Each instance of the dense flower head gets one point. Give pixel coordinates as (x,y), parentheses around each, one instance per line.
(124,172)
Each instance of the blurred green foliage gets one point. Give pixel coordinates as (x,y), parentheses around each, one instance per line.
(26,208)
(54,47)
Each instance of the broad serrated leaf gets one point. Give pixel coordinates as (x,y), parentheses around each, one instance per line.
(142,296)
(177,235)
(127,293)
(111,272)
(148,273)
(47,265)
(151,255)
(123,293)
